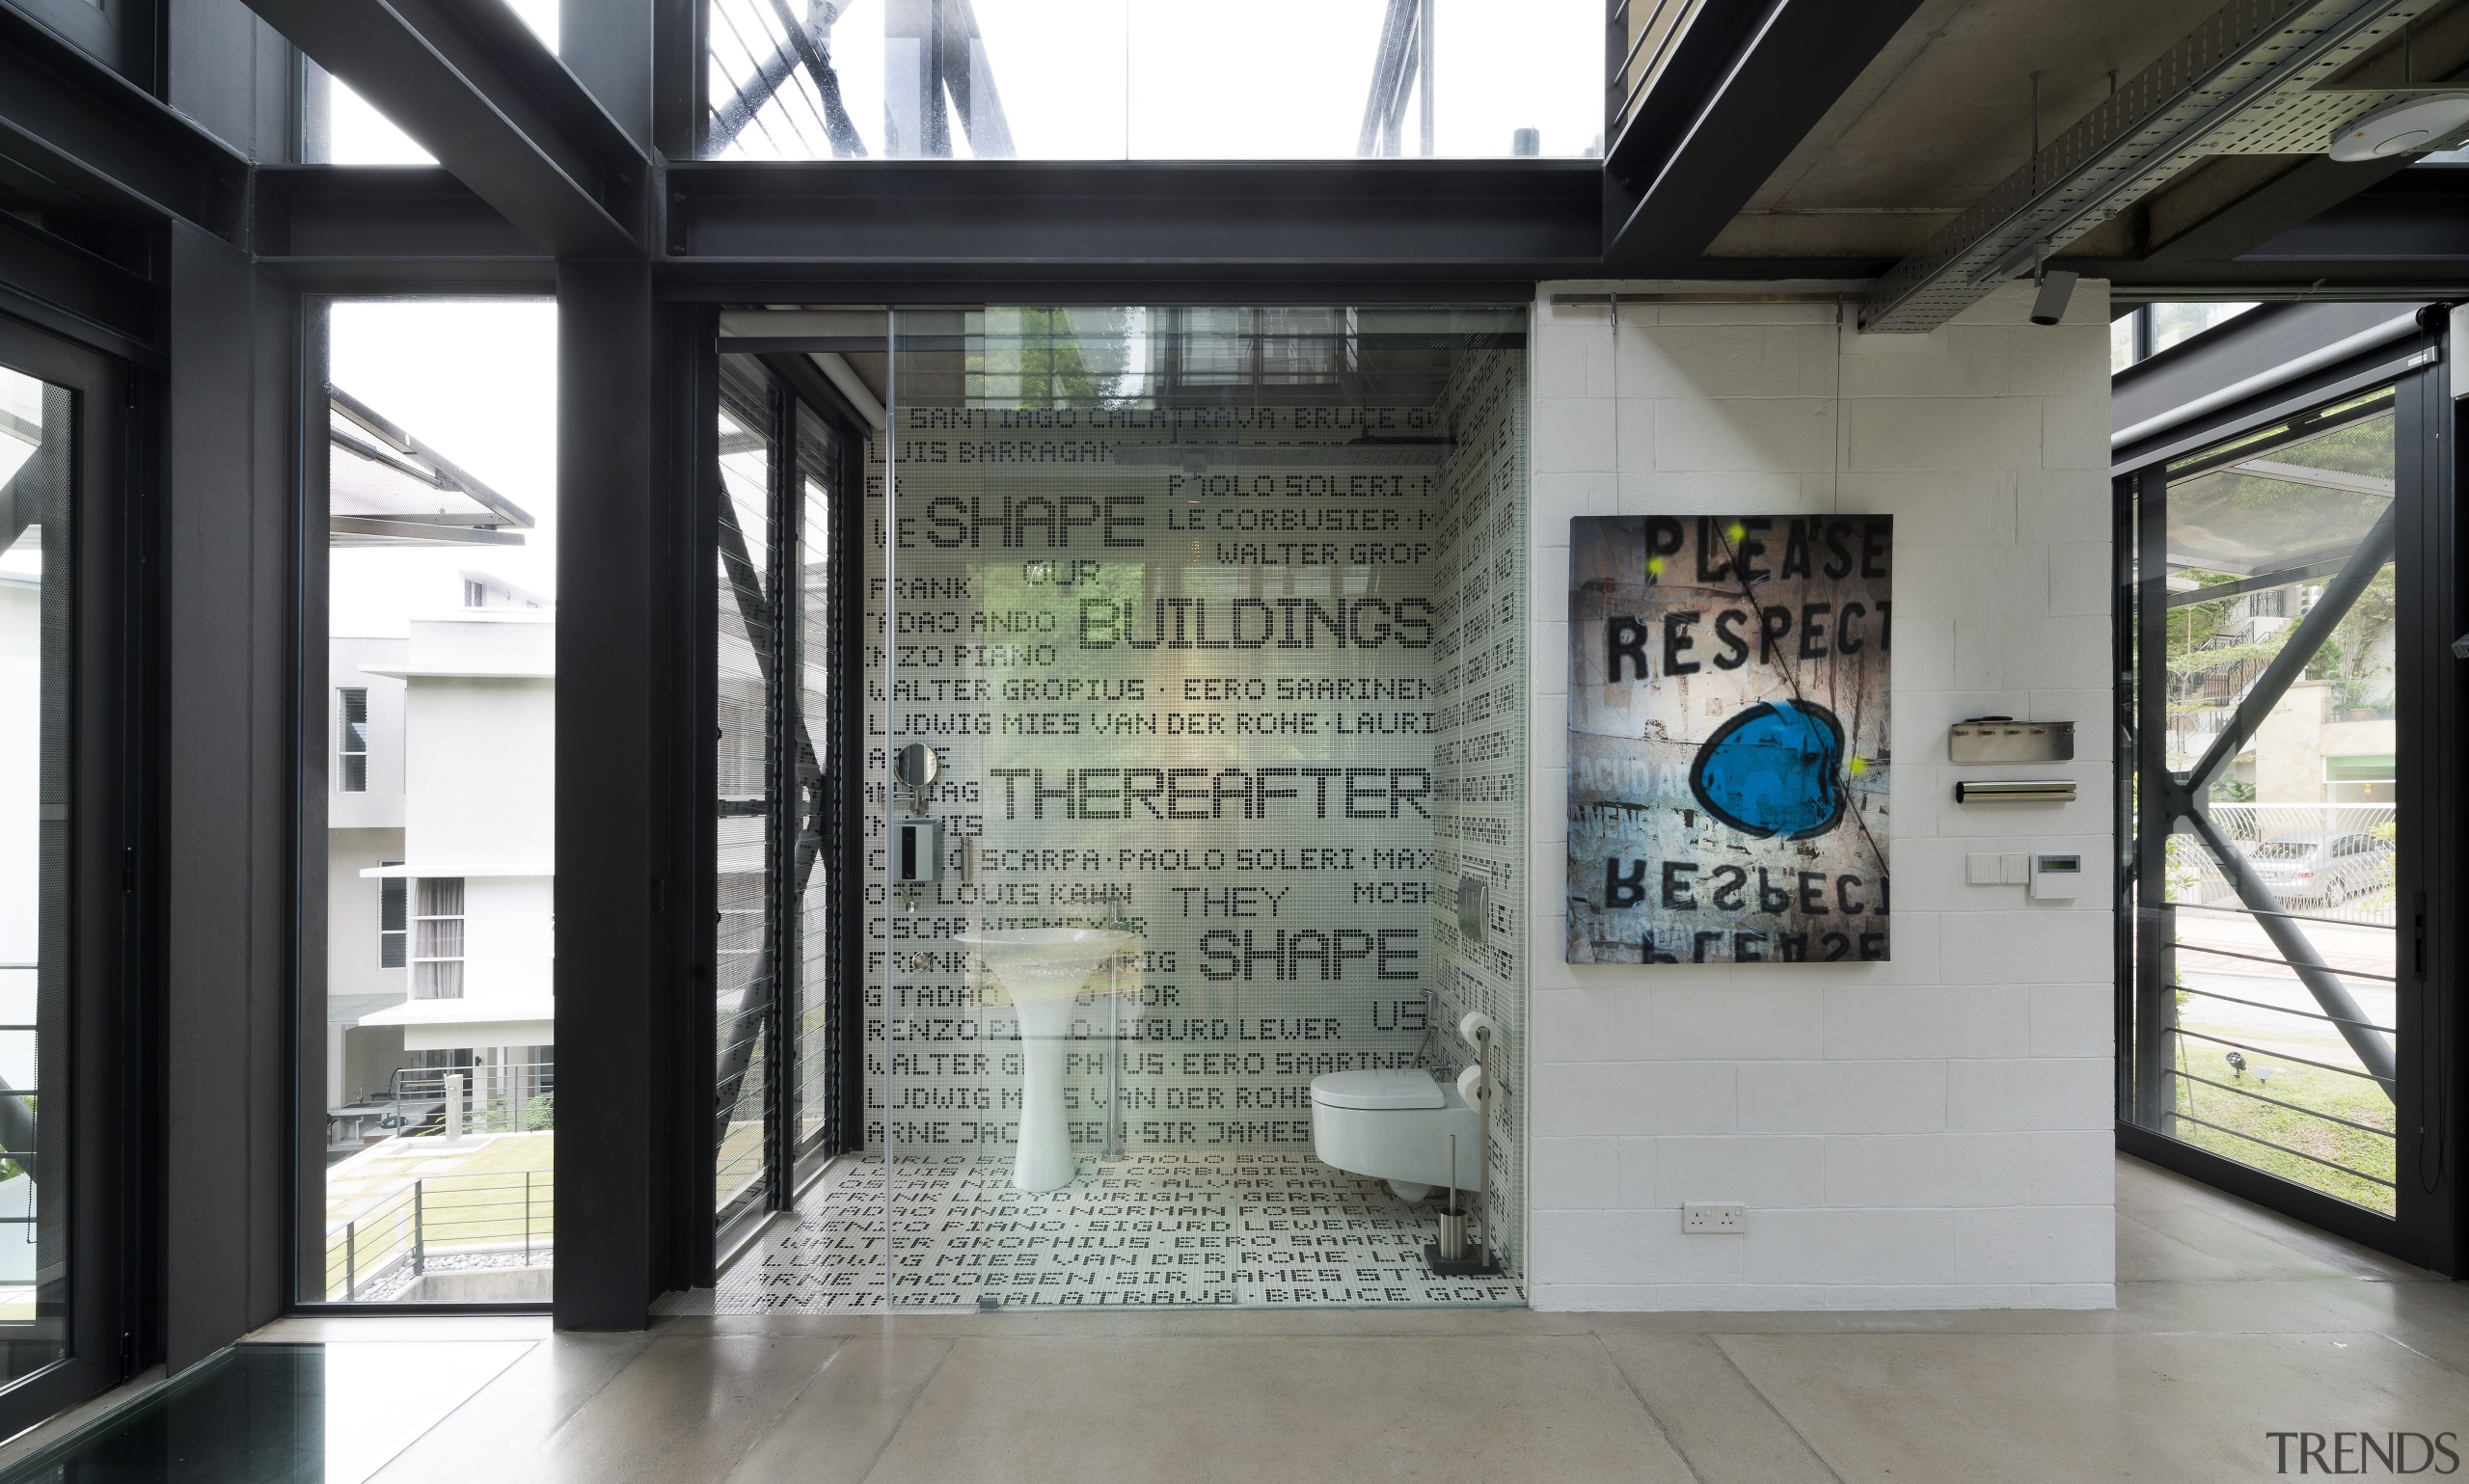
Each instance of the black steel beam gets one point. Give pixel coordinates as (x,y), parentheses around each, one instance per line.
(936,218)
(2137,280)
(63,286)
(2416,215)
(1746,83)
(468,80)
(2287,200)
(77,138)
(379,211)
(2405,234)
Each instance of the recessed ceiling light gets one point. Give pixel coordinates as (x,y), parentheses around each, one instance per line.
(2412,124)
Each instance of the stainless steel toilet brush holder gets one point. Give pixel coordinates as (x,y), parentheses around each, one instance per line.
(1448,1257)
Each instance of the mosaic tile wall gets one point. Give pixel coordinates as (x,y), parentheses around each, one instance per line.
(1478,741)
(1196,670)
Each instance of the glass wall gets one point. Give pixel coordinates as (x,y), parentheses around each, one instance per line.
(1151,79)
(1193,695)
(36,532)
(429,939)
(2266,823)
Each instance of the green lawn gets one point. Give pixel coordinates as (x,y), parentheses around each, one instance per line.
(2355,1098)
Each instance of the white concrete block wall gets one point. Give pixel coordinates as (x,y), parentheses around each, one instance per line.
(1931,1132)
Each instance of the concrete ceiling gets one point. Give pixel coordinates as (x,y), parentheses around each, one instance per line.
(1945,112)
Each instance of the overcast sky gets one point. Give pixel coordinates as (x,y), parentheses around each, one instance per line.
(476,379)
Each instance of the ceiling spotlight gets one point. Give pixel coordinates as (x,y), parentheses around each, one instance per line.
(2049,305)
(2412,124)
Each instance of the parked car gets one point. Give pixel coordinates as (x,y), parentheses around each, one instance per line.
(2321,867)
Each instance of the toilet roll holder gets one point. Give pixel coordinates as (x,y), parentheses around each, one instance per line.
(1448,1257)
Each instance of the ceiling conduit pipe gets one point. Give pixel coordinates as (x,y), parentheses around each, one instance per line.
(2247,81)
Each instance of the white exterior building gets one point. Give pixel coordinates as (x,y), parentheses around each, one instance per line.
(441,843)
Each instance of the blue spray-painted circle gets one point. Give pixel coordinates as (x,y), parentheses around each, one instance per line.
(1777,768)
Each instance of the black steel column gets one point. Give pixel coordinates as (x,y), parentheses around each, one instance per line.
(783,744)
(612,828)
(228,861)
(694,525)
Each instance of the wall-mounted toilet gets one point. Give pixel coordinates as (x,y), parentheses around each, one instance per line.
(1394,1124)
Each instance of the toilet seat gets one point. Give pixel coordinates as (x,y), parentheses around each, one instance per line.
(1382,1087)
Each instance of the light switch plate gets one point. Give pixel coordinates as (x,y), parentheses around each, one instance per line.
(2017,869)
(1714,1215)
(1981,869)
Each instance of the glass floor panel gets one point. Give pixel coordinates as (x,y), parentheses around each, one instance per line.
(322,1414)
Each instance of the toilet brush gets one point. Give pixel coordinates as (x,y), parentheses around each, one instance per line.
(1453,1222)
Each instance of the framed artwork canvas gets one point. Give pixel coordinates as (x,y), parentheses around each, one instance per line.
(1728,738)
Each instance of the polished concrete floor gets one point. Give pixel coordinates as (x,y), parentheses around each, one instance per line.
(2232,1324)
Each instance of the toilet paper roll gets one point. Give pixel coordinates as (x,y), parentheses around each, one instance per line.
(1469,1083)
(1476,1021)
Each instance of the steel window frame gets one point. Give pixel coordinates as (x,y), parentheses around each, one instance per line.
(311,748)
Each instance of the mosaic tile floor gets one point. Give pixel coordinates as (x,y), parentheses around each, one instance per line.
(1223,1229)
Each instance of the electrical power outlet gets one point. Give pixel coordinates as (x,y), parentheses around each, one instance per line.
(1714,1215)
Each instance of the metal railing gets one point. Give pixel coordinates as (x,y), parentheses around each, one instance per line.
(1641,37)
(445,1101)
(495,1213)
(2186,1111)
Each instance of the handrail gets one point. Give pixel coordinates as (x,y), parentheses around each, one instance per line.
(400,1233)
(2312,1113)
(2328,1164)
(2222,1041)
(2184,947)
(2282,1009)
(2295,917)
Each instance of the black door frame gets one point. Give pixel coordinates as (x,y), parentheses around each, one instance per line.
(114,1144)
(2428,1228)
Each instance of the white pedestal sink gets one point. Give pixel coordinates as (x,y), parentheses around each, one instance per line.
(1044,970)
